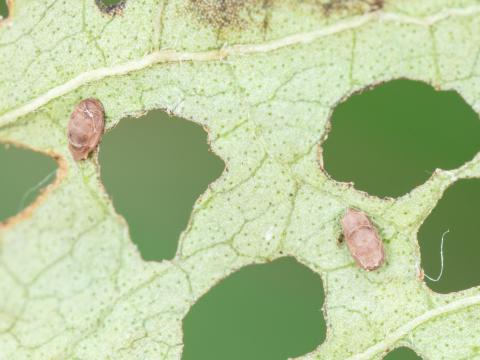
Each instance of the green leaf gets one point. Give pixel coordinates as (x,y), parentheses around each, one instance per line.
(263,78)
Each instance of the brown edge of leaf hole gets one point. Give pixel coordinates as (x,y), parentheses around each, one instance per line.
(112,10)
(363,240)
(28,211)
(8,20)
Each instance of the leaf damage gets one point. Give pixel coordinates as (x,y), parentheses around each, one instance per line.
(223,13)
(114,9)
(118,297)
(356,7)
(10,9)
(239,14)
(44,193)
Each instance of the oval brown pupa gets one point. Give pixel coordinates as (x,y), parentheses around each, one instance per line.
(85,128)
(363,240)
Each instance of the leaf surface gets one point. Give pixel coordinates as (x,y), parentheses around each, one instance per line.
(263,77)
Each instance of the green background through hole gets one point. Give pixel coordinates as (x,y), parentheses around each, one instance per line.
(391,138)
(457,212)
(402,353)
(155,168)
(262,312)
(3,8)
(23,174)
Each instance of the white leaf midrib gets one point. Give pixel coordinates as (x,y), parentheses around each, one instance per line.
(168,55)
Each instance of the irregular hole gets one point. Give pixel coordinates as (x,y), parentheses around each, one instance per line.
(457,212)
(402,353)
(269,311)
(111,7)
(389,139)
(155,168)
(3,9)
(23,175)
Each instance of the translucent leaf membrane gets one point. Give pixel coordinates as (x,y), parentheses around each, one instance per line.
(455,218)
(155,168)
(24,173)
(389,139)
(270,311)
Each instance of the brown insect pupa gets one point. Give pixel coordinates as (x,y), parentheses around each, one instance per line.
(85,128)
(363,240)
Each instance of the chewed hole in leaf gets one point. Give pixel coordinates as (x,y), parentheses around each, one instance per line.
(457,212)
(23,176)
(3,9)
(402,353)
(111,7)
(155,168)
(391,138)
(269,311)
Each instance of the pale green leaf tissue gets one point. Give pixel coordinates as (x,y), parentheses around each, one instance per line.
(263,77)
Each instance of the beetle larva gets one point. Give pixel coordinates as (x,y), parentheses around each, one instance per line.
(85,128)
(363,240)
